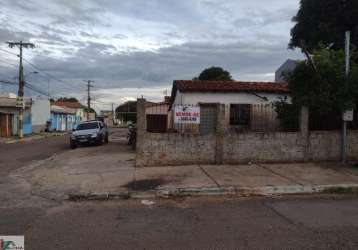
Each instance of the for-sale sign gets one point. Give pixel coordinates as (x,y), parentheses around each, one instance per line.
(186,115)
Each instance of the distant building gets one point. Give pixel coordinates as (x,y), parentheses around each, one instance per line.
(81,114)
(127,112)
(157,116)
(62,118)
(107,116)
(287,66)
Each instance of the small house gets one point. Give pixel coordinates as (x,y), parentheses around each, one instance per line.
(81,115)
(62,119)
(9,116)
(248,105)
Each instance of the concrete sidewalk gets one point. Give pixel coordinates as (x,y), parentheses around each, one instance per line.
(255,179)
(110,172)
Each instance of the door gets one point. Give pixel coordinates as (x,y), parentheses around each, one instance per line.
(157,123)
(208,118)
(5,125)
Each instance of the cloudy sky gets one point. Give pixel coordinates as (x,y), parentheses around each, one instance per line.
(138,47)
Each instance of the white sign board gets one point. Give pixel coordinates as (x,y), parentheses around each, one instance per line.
(348,116)
(186,115)
(20,102)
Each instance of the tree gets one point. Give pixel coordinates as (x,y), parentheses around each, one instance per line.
(324,88)
(324,22)
(214,74)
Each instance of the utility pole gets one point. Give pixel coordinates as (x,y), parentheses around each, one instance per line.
(21,102)
(89,86)
(346,116)
(48,89)
(113,115)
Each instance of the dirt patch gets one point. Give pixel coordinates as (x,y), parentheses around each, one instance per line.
(144,185)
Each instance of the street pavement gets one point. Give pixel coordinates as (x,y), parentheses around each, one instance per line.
(299,222)
(100,171)
(17,155)
(32,185)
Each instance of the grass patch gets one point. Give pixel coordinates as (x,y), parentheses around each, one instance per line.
(341,190)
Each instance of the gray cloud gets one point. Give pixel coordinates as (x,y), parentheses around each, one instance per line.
(130,44)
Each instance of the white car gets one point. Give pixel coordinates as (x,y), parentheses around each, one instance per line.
(90,132)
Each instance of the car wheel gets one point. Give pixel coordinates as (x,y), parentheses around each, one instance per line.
(100,141)
(73,144)
(106,140)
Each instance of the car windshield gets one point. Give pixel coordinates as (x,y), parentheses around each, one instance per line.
(85,126)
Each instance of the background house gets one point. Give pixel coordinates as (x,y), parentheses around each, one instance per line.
(62,118)
(248,105)
(81,114)
(127,112)
(108,117)
(9,115)
(157,116)
(288,66)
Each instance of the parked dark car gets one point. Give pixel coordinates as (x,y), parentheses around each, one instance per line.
(91,132)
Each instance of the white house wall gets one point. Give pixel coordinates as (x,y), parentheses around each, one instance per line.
(40,114)
(225,98)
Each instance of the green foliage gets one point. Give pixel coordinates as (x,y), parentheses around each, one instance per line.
(324,22)
(214,74)
(325,87)
(287,114)
(91,110)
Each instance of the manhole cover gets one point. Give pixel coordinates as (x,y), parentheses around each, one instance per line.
(143,185)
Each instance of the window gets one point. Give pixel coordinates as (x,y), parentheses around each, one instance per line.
(89,125)
(240,114)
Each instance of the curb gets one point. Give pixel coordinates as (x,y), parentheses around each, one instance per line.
(98,196)
(32,138)
(220,191)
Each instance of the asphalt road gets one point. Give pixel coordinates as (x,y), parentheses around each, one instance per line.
(296,222)
(16,155)
(194,223)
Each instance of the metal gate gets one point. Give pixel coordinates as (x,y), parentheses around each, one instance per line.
(208,118)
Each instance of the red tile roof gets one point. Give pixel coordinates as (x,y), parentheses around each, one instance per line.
(230,86)
(72,105)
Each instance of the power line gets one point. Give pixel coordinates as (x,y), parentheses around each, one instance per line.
(51,76)
(6,62)
(34,88)
(9,52)
(8,82)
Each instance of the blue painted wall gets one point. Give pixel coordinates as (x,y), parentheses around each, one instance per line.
(62,122)
(27,122)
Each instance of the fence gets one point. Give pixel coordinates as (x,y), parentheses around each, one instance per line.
(203,118)
(182,145)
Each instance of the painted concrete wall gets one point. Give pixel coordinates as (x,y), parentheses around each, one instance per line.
(237,148)
(224,98)
(229,147)
(62,122)
(40,112)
